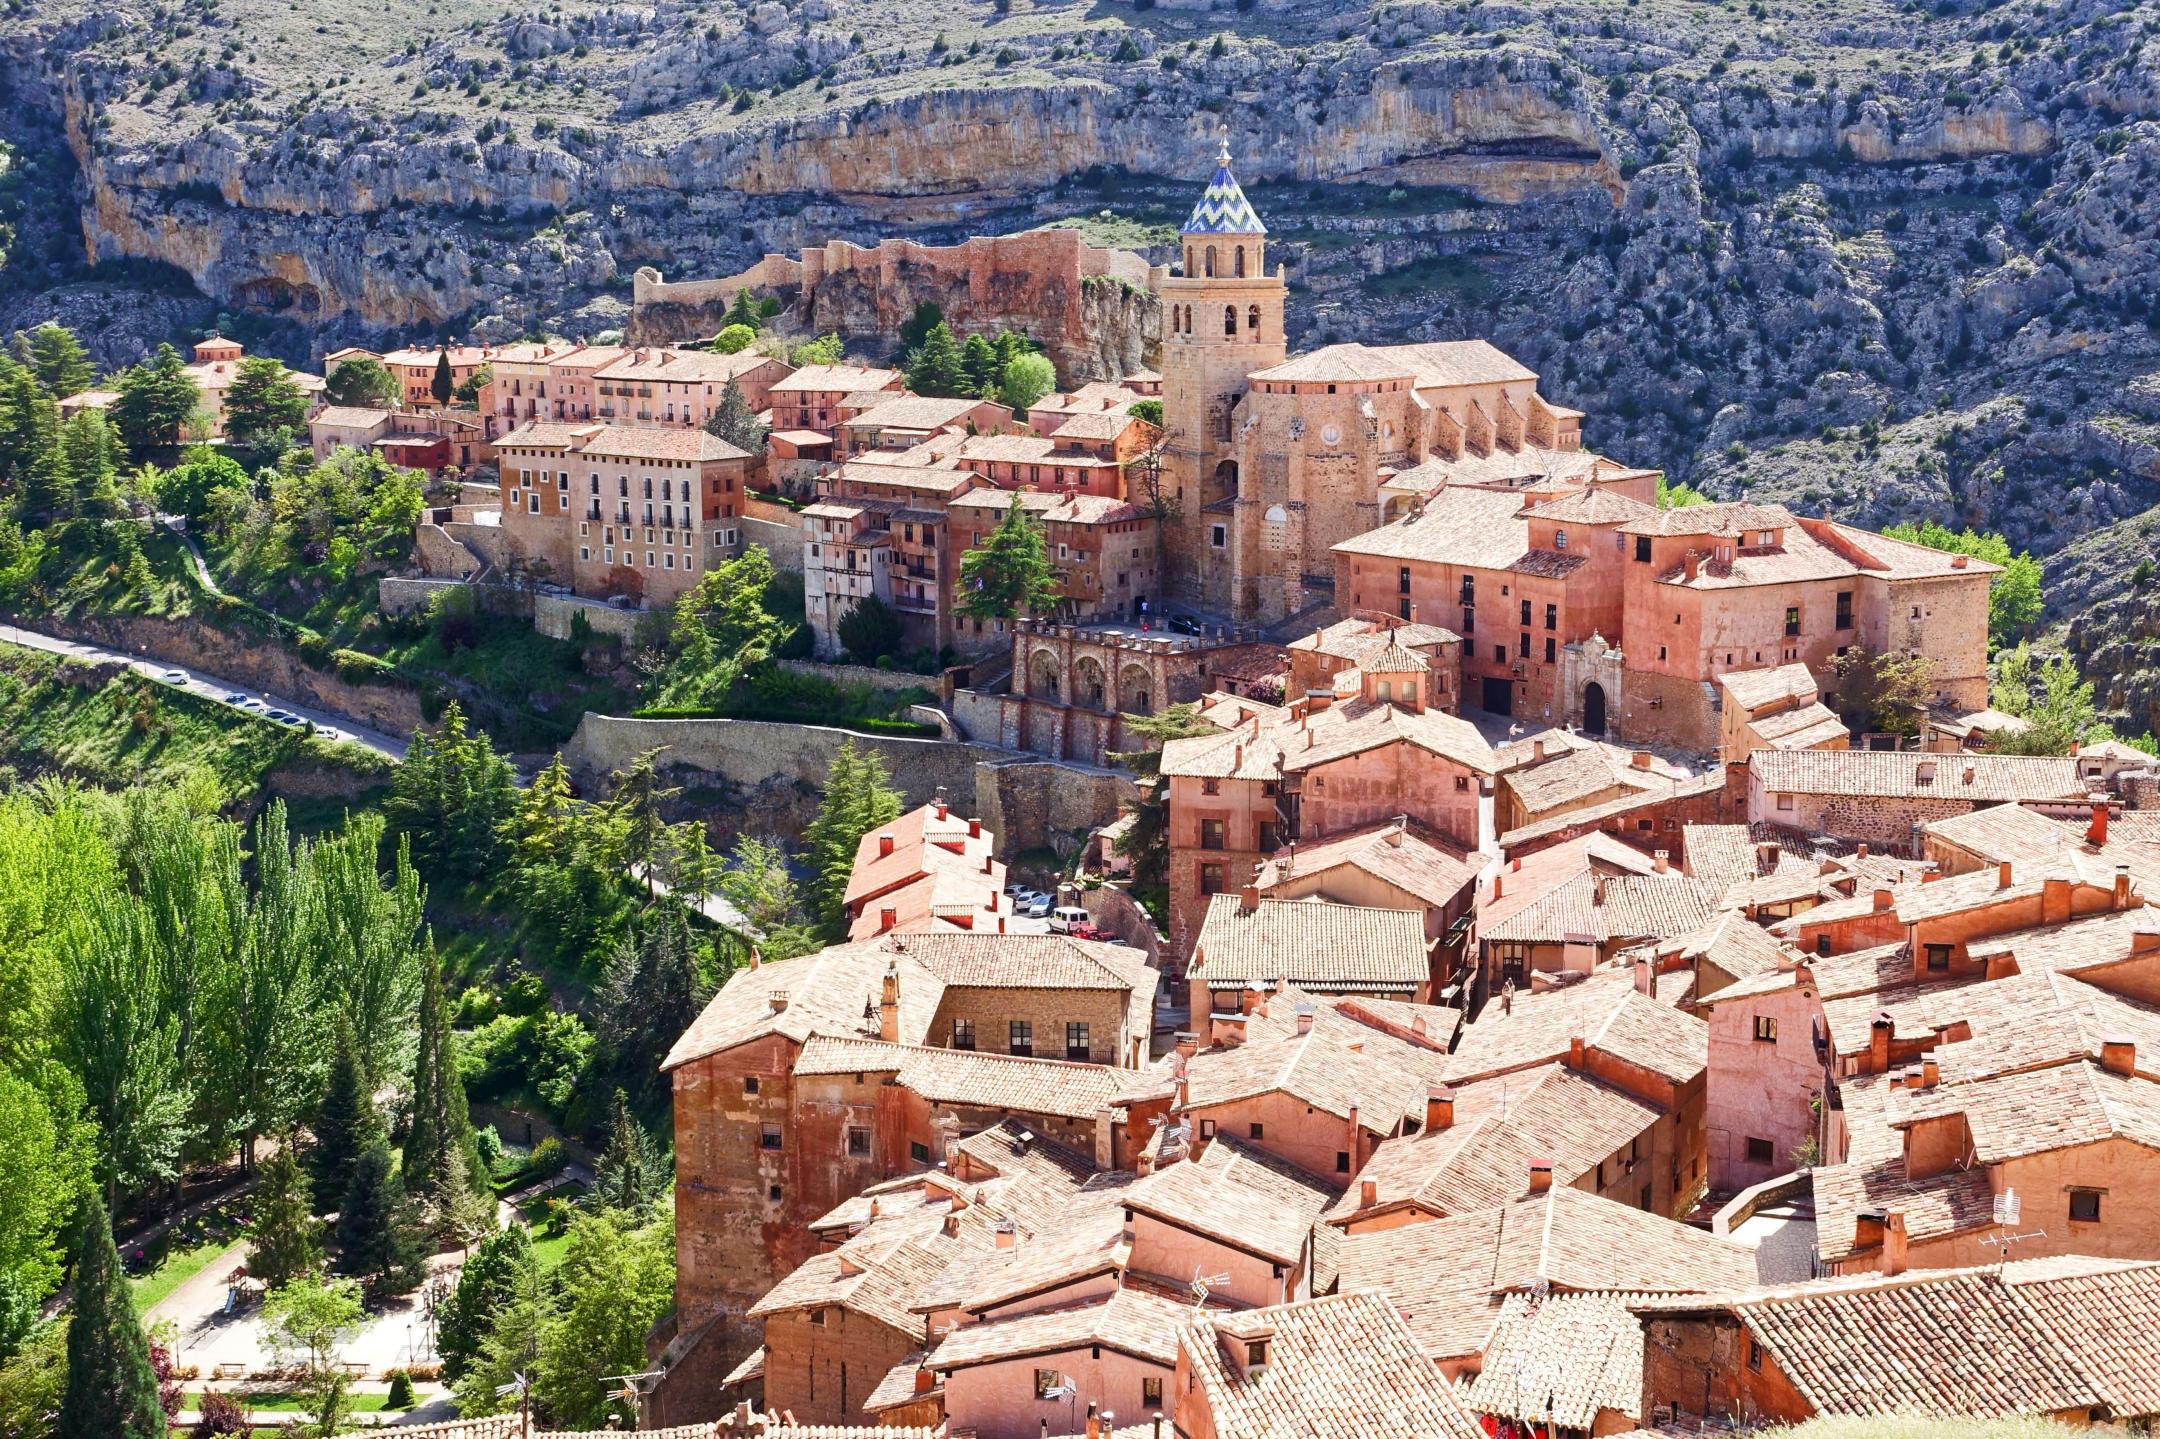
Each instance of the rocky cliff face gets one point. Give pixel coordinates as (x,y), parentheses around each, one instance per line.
(1884,260)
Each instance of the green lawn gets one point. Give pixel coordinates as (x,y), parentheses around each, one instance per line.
(284,1402)
(184,1252)
(549,1247)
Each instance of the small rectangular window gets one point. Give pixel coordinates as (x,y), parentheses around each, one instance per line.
(1759,1151)
(1342,1161)
(858,1140)
(1784,802)
(1754,1356)
(1642,549)
(2085,1206)
(1211,878)
(1212,834)
(919,1152)
(750,1085)
(1257,1130)
(1021,1038)
(769,1137)
(1151,1394)
(1938,957)
(963,1034)
(1765,1029)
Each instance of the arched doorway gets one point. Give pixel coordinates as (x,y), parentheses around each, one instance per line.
(1593,708)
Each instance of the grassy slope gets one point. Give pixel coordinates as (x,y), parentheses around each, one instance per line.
(128,730)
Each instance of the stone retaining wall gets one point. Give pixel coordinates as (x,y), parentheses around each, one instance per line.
(553,616)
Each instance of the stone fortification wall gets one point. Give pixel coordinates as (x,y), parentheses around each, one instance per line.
(1041,804)
(555,615)
(1089,306)
(890,681)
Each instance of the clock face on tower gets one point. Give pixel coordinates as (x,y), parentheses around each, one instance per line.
(1330,435)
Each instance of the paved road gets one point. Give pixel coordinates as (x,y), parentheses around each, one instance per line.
(210,687)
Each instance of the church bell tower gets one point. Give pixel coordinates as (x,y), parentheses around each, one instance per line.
(1222,320)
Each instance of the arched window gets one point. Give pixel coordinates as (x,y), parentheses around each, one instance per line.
(1211,262)
(1229,319)
(1188,320)
(1175,326)
(1252,319)
(1239,263)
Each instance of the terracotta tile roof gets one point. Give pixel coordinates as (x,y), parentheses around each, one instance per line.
(1632,907)
(876,1273)
(547,435)
(2023,836)
(1589,507)
(752,1367)
(1339,1064)
(1564,1360)
(1357,726)
(840,379)
(1723,521)
(1097,424)
(1887,774)
(1238,1195)
(632,443)
(1549,1114)
(1449,1275)
(1346,362)
(1802,728)
(1433,1025)
(2107,1321)
(349,416)
(1580,771)
(2014,1116)
(1960,1343)
(926,479)
(1411,859)
(897,1387)
(1774,684)
(1135,1321)
(1312,943)
(913,412)
(1527,879)
(1532,469)
(1899,559)
(1343,1367)
(1731,944)
(1353,639)
(1457,526)
(1002,1081)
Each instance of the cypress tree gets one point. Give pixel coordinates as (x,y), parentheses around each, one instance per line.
(112,1392)
(441,1169)
(346,1125)
(285,1240)
(377,1229)
(444,384)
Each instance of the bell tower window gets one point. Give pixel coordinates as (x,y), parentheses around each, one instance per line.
(1211,262)
(1229,319)
(1238,263)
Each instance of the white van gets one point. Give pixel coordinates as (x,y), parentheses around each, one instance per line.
(1066,917)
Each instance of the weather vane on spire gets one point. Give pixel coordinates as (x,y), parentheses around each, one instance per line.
(1224,158)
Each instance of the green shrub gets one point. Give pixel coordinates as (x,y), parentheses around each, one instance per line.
(549,1158)
(401,1391)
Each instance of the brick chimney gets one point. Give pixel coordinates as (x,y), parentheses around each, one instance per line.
(777,1000)
(1188,1044)
(2122,887)
(1248,895)
(884,845)
(887,917)
(1691,564)
(1537,749)
(1879,1031)
(1575,1047)
(1006,1233)
(1893,1245)
(1663,860)
(2096,832)
(1640,759)
(889,1005)
(1368,1193)
(1540,1176)
(974,829)
(2004,875)
(1868,1227)
(2118,1054)
(1439,1107)
(1304,1018)
(1930,1071)
(1884,898)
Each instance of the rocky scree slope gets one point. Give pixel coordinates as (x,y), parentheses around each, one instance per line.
(1879,259)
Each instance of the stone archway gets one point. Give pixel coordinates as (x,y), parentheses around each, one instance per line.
(1042,680)
(1089,686)
(1136,690)
(1593,708)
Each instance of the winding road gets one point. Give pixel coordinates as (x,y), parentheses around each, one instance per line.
(339,728)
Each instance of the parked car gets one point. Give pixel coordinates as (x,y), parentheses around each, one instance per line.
(1184,624)
(236,697)
(1038,907)
(252,705)
(1067,918)
(326,732)
(1092,931)
(1016,889)
(287,718)
(173,677)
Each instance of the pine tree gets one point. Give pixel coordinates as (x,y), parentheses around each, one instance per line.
(736,422)
(486,1284)
(629,1175)
(935,367)
(377,1230)
(58,359)
(980,363)
(92,454)
(441,1169)
(650,996)
(444,385)
(451,796)
(285,1241)
(47,486)
(346,1126)
(364,383)
(156,400)
(917,327)
(19,418)
(1011,572)
(112,1392)
(642,836)
(264,405)
(858,798)
(743,312)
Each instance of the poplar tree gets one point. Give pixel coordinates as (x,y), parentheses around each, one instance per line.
(112,1392)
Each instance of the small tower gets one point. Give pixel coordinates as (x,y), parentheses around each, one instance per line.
(1222,320)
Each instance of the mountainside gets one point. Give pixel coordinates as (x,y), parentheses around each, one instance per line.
(1886,261)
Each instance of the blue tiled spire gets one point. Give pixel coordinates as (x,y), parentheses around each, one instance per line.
(1223,208)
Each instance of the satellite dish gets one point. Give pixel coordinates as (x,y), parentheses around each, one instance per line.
(2008,1207)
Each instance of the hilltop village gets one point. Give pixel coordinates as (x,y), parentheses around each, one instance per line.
(1563,1013)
